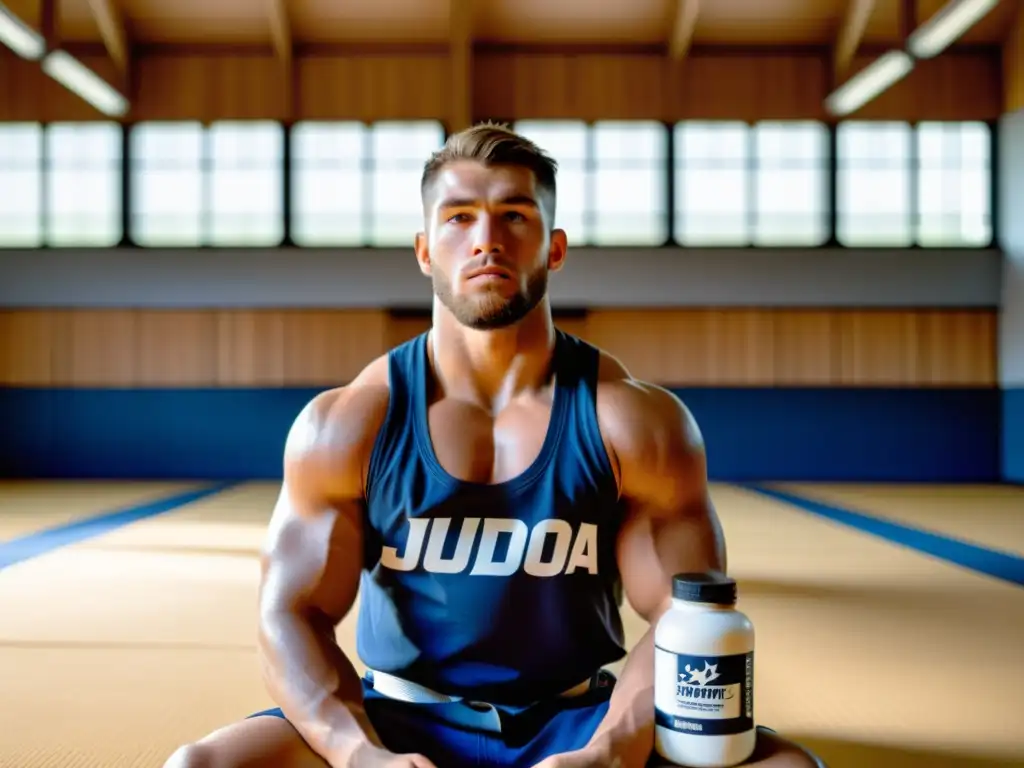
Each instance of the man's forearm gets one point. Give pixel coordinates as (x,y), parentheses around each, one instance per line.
(315,685)
(627,730)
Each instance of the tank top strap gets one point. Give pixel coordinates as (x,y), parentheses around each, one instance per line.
(404,399)
(579,370)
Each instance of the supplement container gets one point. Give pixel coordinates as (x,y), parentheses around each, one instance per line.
(704,675)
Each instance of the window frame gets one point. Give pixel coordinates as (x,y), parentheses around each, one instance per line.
(84,162)
(588,172)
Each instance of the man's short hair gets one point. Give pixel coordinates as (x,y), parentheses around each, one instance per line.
(495,144)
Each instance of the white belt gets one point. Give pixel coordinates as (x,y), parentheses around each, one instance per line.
(405,690)
(473,714)
(400,689)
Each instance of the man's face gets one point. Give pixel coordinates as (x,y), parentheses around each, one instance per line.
(488,246)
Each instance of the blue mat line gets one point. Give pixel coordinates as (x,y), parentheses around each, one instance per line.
(998,565)
(41,542)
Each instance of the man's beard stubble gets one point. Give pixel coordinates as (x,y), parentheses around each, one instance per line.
(491,311)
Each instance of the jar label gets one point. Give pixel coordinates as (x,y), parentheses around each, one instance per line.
(704,695)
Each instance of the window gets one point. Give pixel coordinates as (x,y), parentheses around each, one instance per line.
(712,183)
(791,184)
(398,151)
(246,199)
(873,192)
(167,188)
(629,184)
(328,184)
(83,184)
(567,142)
(954,167)
(21,176)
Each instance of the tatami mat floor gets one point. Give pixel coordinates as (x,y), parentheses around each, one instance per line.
(116,649)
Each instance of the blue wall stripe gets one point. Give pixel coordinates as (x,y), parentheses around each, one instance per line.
(999,565)
(752,434)
(1013,435)
(41,542)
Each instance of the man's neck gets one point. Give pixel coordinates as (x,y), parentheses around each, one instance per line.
(492,367)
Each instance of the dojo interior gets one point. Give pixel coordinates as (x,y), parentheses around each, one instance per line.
(805,217)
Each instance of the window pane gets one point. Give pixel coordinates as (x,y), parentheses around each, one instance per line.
(954,185)
(566,141)
(21,208)
(328,184)
(712,183)
(873,184)
(168,197)
(83,191)
(629,183)
(246,178)
(398,152)
(791,183)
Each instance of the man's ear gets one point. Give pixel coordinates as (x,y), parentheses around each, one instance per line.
(557,250)
(422,249)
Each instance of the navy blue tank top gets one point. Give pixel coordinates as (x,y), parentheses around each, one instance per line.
(505,593)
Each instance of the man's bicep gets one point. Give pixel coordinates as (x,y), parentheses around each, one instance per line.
(313,556)
(671,524)
(656,544)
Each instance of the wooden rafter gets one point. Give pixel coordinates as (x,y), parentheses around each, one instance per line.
(851,32)
(281,37)
(110,21)
(460,58)
(683,25)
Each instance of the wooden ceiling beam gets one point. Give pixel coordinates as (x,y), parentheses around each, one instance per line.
(684,24)
(1013,65)
(114,33)
(460,61)
(49,24)
(851,33)
(284,49)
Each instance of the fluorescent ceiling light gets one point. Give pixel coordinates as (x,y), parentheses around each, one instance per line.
(875,78)
(19,37)
(953,20)
(82,81)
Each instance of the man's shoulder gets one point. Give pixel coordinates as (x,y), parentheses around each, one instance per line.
(638,415)
(652,437)
(620,395)
(343,421)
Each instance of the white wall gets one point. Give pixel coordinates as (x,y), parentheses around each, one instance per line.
(593,278)
(1011,240)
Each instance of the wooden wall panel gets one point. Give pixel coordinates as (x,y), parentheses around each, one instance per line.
(757,87)
(877,348)
(27,94)
(957,347)
(805,352)
(330,347)
(250,349)
(396,87)
(560,86)
(94,348)
(944,88)
(175,348)
(507,84)
(26,348)
(700,347)
(400,328)
(209,87)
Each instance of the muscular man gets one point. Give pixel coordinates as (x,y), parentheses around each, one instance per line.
(485,489)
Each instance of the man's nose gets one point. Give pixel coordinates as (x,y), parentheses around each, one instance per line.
(487,236)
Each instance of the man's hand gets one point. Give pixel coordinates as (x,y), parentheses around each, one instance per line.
(588,757)
(603,751)
(370,756)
